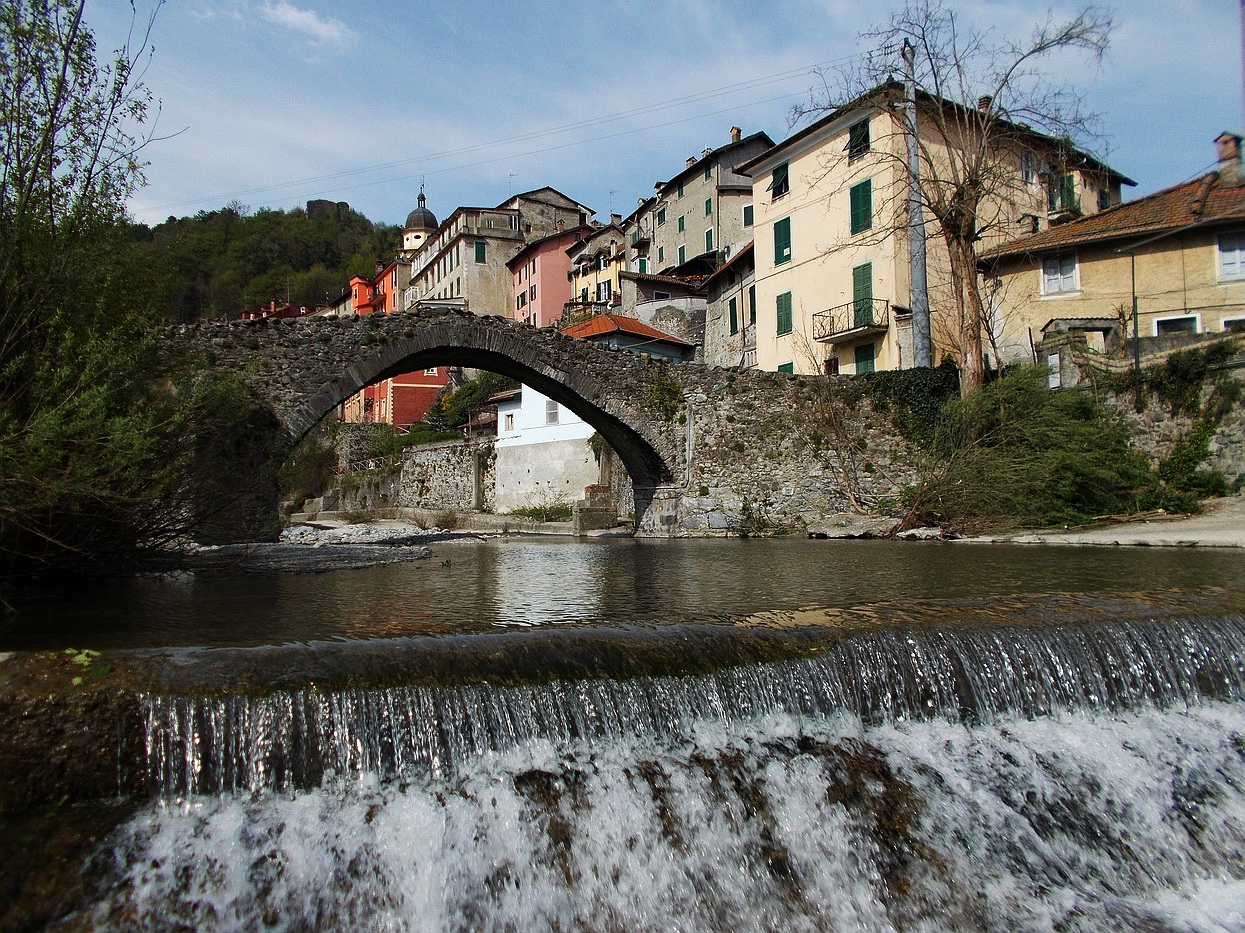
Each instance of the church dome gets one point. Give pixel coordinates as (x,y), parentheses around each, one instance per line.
(421,218)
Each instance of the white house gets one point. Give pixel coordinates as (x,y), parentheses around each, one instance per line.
(542,451)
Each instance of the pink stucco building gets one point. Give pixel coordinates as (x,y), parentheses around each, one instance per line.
(540,273)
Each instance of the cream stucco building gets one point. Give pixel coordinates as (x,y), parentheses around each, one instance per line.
(832,286)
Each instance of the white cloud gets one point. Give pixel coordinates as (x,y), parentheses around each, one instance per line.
(320,29)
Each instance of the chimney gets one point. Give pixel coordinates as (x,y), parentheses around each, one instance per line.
(984,102)
(736,134)
(615,219)
(706,153)
(691,160)
(1229,146)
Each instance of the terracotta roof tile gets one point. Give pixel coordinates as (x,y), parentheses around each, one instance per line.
(612,323)
(1202,201)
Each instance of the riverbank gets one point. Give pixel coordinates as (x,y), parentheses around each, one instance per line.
(1220,524)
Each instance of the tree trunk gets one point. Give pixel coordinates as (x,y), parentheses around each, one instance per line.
(969,312)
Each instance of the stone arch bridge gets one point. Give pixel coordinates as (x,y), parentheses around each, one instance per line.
(704,446)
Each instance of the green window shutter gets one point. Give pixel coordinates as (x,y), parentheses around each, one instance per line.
(709,172)
(864,359)
(734,315)
(752,304)
(748,215)
(784,313)
(661,217)
(643,266)
(782,241)
(780,182)
(680,189)
(480,247)
(861,196)
(708,206)
(682,224)
(682,255)
(788,368)
(1069,192)
(858,139)
(661,254)
(862,294)
(708,240)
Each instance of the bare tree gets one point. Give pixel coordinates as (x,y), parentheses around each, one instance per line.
(982,99)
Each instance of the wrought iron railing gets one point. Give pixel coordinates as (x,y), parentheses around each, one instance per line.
(862,316)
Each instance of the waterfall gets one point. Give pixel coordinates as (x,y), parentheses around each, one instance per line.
(298,738)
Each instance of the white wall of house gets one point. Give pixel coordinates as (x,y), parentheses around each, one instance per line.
(542,452)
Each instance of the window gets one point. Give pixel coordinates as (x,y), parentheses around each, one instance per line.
(1059,274)
(708,241)
(788,368)
(1029,168)
(1233,323)
(708,207)
(680,189)
(480,247)
(643,266)
(1104,198)
(862,295)
(661,217)
(682,222)
(509,421)
(752,304)
(1185,324)
(709,172)
(782,241)
(783,307)
(1232,256)
(1063,193)
(831,366)
(864,359)
(551,411)
(531,293)
(857,139)
(732,314)
(604,289)
(430,371)
(861,197)
(748,214)
(682,255)
(661,254)
(661,296)
(780,184)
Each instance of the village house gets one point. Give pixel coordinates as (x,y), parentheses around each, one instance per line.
(833,289)
(541,276)
(1179,252)
(464,261)
(596,261)
(731,312)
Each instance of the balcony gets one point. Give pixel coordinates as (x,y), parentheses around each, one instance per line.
(862,318)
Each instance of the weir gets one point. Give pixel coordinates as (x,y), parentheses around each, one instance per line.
(293,739)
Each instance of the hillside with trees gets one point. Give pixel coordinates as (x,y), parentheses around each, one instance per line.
(219,263)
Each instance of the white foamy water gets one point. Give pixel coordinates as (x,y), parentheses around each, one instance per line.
(1085,820)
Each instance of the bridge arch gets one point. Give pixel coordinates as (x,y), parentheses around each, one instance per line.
(307,367)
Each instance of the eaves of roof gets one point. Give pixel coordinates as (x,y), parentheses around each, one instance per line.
(604,324)
(715,155)
(1195,204)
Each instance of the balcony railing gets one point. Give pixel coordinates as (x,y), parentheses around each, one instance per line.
(845,322)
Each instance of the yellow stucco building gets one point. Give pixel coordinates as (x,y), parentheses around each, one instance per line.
(1180,251)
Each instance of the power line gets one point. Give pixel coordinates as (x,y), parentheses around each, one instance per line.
(697,97)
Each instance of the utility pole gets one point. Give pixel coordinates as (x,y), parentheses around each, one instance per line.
(922,350)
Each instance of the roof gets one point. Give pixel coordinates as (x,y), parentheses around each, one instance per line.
(716,155)
(743,251)
(521,256)
(617,323)
(1201,202)
(671,281)
(891,92)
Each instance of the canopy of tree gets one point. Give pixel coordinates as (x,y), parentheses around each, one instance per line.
(220,263)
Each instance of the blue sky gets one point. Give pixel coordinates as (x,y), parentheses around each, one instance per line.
(274,102)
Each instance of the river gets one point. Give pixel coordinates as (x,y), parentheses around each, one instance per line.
(531,734)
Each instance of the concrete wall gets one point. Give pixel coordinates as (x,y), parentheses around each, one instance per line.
(539,474)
